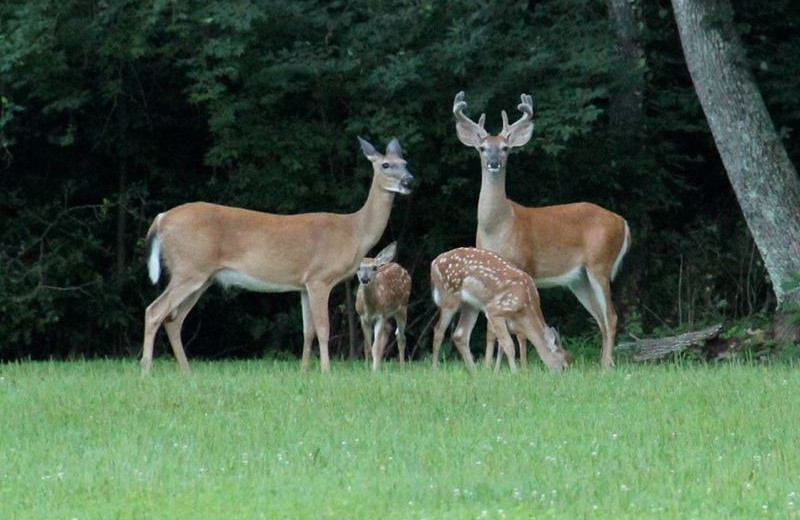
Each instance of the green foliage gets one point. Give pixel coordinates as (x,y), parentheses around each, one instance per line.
(132,107)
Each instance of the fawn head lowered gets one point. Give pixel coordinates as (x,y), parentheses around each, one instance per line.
(494,148)
(390,167)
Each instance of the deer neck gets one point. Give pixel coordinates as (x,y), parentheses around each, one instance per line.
(371,219)
(494,208)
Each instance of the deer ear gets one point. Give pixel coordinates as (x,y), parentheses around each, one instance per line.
(387,254)
(520,135)
(393,148)
(368,149)
(552,338)
(467,135)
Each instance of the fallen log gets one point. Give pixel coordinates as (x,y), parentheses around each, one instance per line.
(656,348)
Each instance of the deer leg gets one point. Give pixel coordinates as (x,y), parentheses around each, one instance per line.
(490,339)
(174,325)
(463,332)
(309,332)
(523,351)
(498,360)
(400,319)
(366,330)
(445,316)
(505,341)
(582,289)
(159,310)
(379,343)
(601,287)
(523,355)
(318,294)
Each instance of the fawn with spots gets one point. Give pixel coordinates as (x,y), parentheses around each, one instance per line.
(383,292)
(472,280)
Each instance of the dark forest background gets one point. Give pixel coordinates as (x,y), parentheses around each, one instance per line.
(113,111)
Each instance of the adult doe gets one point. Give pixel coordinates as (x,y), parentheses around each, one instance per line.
(201,243)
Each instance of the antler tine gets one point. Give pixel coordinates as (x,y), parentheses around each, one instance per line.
(458,110)
(526,107)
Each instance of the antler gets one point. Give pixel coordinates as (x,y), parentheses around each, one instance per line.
(526,107)
(464,125)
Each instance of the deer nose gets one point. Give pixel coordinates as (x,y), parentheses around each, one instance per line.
(407,180)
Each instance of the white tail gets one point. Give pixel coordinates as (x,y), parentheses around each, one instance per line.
(471,280)
(153,248)
(579,246)
(201,243)
(383,292)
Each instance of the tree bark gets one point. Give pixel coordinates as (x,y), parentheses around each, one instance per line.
(764,179)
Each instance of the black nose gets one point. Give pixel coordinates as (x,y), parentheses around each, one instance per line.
(494,165)
(365,281)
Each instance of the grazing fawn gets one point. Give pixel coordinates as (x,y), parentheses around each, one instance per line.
(578,245)
(383,292)
(471,280)
(203,243)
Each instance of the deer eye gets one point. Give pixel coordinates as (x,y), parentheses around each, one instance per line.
(385,165)
(504,148)
(482,148)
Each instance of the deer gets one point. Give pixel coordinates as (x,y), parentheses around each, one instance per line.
(383,292)
(201,243)
(469,280)
(579,246)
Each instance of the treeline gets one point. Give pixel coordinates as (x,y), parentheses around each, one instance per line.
(111,112)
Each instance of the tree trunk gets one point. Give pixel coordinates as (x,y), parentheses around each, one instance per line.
(764,179)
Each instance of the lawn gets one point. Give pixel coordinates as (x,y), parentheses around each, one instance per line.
(261,439)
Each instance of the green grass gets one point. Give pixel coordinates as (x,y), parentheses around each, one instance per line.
(262,439)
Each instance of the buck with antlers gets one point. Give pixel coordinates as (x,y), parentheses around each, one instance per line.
(383,292)
(580,246)
(202,243)
(471,280)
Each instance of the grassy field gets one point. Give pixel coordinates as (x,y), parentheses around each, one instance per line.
(261,439)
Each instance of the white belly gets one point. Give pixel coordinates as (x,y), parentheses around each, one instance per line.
(233,278)
(560,280)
